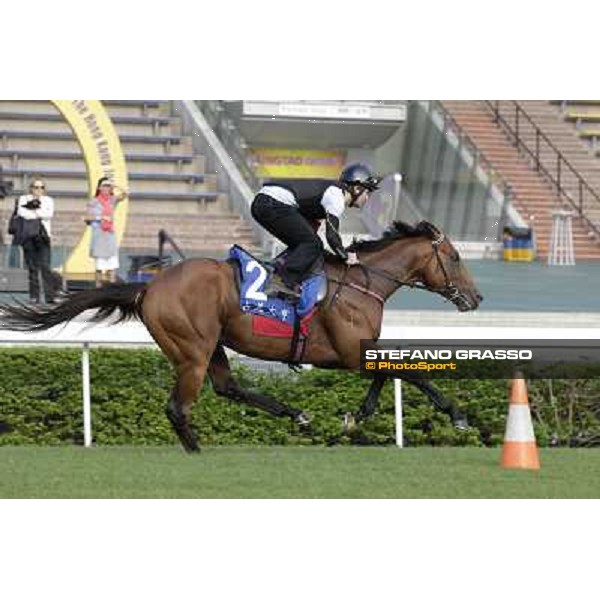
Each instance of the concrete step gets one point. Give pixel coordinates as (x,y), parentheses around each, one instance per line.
(152,126)
(153,203)
(149,245)
(59,185)
(127,108)
(33,161)
(27,106)
(177,232)
(136,108)
(136,238)
(134,174)
(66,142)
(129,117)
(73,222)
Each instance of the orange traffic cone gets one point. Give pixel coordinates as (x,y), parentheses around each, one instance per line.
(519,450)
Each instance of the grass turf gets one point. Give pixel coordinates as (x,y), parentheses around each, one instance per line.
(291,472)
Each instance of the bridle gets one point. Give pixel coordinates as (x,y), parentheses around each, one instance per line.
(449,290)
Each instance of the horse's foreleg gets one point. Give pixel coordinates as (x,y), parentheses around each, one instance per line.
(225,385)
(189,381)
(367,408)
(371,401)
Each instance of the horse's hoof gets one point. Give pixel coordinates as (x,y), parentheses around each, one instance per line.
(189,443)
(349,422)
(192,449)
(461,424)
(334,440)
(302,420)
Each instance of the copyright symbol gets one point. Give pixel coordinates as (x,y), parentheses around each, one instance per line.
(370,365)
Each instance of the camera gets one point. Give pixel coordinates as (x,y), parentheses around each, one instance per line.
(33,204)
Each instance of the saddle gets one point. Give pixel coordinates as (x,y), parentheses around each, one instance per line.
(273,316)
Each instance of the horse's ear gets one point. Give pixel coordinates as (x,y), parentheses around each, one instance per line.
(399,228)
(431,229)
(423,228)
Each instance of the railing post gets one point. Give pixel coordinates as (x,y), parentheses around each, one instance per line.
(87,408)
(580,196)
(537,149)
(398,411)
(558,161)
(517,125)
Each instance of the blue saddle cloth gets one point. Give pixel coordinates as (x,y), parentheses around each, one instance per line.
(254,277)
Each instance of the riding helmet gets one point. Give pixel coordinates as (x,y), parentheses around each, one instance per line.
(359,174)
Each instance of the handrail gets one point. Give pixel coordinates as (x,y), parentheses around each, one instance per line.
(219,161)
(163,238)
(479,157)
(559,159)
(495,179)
(215,113)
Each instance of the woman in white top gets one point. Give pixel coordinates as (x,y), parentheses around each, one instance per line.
(37,210)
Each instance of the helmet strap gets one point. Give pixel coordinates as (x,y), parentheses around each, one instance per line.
(353,195)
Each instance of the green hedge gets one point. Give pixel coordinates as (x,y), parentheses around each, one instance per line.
(40,403)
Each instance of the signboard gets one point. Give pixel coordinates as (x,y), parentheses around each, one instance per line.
(342,110)
(325,111)
(298,164)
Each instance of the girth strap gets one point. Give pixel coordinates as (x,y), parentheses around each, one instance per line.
(298,343)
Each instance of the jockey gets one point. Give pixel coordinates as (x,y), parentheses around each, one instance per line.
(288,208)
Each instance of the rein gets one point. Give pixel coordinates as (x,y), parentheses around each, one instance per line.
(449,291)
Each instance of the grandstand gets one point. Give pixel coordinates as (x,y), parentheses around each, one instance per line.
(469,166)
(169,183)
(535,146)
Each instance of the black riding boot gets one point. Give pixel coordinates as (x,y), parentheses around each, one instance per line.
(278,287)
(304,246)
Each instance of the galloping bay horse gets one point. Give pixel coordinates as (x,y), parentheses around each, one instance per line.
(192,310)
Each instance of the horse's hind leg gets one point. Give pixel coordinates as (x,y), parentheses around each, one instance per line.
(224,384)
(445,405)
(189,381)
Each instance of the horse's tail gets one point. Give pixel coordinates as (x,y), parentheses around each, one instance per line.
(127,298)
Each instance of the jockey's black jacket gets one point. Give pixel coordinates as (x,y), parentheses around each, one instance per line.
(308,193)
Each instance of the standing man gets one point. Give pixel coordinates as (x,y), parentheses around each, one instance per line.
(37,210)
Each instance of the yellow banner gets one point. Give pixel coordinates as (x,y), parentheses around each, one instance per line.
(295,163)
(104,157)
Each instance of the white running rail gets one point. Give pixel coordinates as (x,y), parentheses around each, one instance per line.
(134,334)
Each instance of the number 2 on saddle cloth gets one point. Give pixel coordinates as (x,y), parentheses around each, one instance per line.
(273,316)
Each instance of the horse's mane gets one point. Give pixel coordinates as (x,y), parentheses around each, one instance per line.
(398,230)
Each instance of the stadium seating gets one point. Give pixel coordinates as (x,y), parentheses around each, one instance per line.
(169,185)
(533,195)
(585,116)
